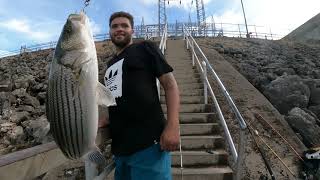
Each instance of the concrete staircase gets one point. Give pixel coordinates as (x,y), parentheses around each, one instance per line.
(204,155)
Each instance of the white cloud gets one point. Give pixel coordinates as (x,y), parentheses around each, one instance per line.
(23,26)
(280,17)
(148,2)
(188,5)
(95,28)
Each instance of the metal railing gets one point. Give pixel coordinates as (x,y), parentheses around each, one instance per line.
(172,29)
(205,66)
(162,47)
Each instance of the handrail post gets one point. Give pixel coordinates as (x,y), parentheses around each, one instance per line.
(193,53)
(205,86)
(188,43)
(90,170)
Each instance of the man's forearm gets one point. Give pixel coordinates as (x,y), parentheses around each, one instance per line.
(173,104)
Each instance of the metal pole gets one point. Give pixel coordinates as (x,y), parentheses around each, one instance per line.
(91,170)
(193,53)
(205,86)
(245,19)
(255,29)
(159,18)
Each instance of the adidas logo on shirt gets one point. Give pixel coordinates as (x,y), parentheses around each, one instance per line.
(113,79)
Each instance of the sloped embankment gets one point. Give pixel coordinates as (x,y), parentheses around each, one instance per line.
(287,75)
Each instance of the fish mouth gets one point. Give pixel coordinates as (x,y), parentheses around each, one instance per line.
(77,18)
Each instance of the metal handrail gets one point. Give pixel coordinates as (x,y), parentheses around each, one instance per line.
(225,92)
(162,47)
(192,43)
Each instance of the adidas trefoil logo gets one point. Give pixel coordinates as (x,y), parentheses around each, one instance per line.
(110,79)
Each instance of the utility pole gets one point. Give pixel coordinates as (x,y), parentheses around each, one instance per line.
(200,16)
(245,20)
(162,15)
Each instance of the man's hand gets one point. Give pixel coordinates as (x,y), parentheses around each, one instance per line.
(170,138)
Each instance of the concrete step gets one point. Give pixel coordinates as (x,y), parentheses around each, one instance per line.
(186,72)
(181,70)
(206,173)
(180,63)
(178,67)
(192,108)
(182,80)
(187,99)
(188,86)
(197,118)
(202,142)
(199,158)
(187,75)
(199,129)
(188,92)
(188,81)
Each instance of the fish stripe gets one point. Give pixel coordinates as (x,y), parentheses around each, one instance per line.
(56,116)
(61,114)
(66,88)
(81,119)
(76,114)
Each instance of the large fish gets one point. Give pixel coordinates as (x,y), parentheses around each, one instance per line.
(74,92)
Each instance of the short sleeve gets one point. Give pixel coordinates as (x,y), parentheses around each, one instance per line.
(158,62)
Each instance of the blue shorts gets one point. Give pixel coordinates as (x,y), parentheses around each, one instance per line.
(148,164)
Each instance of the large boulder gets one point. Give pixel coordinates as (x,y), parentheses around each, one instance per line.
(315,110)
(306,125)
(314,86)
(287,92)
(38,129)
(17,135)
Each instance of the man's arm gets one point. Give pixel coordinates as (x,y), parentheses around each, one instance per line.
(103,117)
(170,137)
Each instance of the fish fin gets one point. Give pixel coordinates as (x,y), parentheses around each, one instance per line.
(96,157)
(104,96)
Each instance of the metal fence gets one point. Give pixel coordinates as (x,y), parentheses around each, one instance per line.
(174,30)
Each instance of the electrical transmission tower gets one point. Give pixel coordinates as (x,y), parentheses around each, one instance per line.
(162,15)
(201,16)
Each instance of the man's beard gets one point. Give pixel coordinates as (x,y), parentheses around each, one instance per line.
(122,43)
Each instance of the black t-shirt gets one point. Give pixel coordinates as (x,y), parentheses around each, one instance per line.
(137,119)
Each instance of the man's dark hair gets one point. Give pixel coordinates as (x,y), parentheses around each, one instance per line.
(121,14)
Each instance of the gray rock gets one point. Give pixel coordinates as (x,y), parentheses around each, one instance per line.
(17,135)
(304,124)
(249,71)
(283,71)
(30,100)
(38,129)
(18,117)
(21,84)
(314,86)
(19,92)
(41,97)
(29,109)
(315,110)
(287,92)
(7,126)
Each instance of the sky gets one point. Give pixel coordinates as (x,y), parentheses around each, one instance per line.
(25,22)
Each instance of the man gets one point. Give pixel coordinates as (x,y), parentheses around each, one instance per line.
(141,137)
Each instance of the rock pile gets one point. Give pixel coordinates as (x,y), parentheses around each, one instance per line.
(22,100)
(287,73)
